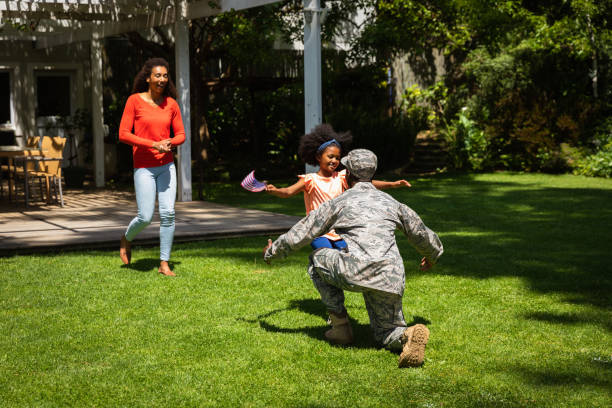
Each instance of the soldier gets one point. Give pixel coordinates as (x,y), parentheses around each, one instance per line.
(366,218)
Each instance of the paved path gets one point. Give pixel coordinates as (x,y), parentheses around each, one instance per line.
(98,219)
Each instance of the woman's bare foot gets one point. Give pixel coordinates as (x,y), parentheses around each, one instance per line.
(164,269)
(125,250)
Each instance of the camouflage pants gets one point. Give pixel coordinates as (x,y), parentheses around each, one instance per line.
(384,308)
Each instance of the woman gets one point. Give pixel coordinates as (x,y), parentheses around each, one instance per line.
(149,114)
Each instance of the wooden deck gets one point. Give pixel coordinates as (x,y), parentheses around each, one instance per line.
(99,218)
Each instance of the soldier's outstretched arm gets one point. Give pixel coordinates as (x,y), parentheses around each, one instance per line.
(316,223)
(424,240)
(266,249)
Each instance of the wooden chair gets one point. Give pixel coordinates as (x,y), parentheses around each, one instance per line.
(50,167)
(46,168)
(33,141)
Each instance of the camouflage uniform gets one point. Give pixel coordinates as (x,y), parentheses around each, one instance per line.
(366,218)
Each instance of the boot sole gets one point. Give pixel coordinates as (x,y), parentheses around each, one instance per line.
(413,353)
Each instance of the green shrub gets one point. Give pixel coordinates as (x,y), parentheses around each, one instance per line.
(596,165)
(475,142)
(468,146)
(599,163)
(529,101)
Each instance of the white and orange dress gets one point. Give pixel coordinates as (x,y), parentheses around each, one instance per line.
(318,189)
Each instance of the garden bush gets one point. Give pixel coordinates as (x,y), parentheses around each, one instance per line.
(598,162)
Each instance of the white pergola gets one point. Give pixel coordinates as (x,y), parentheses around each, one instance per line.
(50,23)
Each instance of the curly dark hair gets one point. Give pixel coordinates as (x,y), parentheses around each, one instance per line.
(140,81)
(310,143)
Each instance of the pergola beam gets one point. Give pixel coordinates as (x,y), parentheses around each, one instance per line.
(83,31)
(203,9)
(16,9)
(121,21)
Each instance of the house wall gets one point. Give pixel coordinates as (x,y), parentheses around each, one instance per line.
(422,70)
(24,63)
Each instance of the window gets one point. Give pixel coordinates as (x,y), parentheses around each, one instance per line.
(53,95)
(5,97)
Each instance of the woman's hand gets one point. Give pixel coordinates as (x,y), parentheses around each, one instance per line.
(163,146)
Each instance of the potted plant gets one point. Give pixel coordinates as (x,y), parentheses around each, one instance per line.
(74,126)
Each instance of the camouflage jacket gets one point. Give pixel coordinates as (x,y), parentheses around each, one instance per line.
(366,218)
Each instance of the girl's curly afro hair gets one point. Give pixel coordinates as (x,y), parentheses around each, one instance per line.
(310,142)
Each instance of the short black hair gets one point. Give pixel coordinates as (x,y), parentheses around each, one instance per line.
(310,142)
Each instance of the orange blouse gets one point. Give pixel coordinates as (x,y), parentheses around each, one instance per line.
(143,124)
(318,189)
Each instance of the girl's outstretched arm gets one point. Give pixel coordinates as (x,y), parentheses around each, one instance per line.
(286,192)
(381,185)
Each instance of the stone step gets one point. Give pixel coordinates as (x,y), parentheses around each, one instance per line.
(430,142)
(430,153)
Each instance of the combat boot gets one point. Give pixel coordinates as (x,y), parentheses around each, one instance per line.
(414,340)
(341,332)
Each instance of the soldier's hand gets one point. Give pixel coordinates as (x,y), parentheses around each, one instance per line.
(265,249)
(425,264)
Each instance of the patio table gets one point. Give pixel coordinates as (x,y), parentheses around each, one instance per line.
(13,152)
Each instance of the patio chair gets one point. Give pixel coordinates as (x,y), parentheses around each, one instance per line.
(32,141)
(45,168)
(50,167)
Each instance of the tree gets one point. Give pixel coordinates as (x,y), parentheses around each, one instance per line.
(532,74)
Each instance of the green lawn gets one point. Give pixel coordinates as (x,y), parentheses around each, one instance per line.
(519,309)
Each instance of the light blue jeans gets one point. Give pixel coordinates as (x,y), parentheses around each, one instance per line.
(149,181)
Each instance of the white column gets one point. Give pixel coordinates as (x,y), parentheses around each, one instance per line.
(181,55)
(97,109)
(29,95)
(312,68)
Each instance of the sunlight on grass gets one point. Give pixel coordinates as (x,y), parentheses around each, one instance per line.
(519,309)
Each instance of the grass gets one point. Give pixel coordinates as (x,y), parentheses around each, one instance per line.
(519,308)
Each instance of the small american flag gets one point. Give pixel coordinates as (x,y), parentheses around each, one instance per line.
(252,184)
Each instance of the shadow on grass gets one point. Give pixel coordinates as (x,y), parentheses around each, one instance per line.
(568,318)
(147,264)
(555,239)
(419,320)
(591,374)
(361,332)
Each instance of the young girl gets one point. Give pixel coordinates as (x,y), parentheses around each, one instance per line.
(324,147)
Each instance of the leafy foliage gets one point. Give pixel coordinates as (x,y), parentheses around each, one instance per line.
(531,75)
(599,161)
